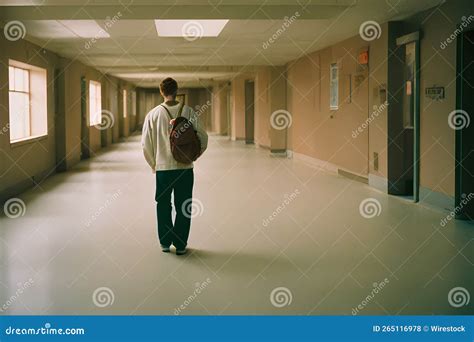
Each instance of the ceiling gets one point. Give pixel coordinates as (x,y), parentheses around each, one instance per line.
(131,49)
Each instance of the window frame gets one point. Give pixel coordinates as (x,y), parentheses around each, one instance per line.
(12,89)
(93,121)
(34,74)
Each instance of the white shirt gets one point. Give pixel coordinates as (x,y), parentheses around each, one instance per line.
(156,136)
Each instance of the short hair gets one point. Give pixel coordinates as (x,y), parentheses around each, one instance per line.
(169,87)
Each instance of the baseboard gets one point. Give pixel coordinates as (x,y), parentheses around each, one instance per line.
(353,176)
(318,163)
(237,139)
(23,185)
(278,153)
(378,182)
(436,200)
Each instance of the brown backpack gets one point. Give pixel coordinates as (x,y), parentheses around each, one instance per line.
(184,141)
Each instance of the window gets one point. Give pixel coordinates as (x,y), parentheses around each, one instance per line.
(408,94)
(27,101)
(95,103)
(334,88)
(125,108)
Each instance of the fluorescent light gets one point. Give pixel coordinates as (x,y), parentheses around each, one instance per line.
(190,29)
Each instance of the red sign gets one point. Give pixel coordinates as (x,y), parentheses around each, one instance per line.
(364,57)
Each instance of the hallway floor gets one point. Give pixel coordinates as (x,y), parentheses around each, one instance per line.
(270,236)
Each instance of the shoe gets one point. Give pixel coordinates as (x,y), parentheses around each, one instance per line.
(181,251)
(165,249)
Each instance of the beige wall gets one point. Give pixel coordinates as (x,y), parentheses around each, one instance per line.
(219,108)
(73,72)
(322,133)
(23,164)
(270,97)
(262,107)
(26,163)
(111,104)
(327,135)
(377,112)
(278,102)
(238,106)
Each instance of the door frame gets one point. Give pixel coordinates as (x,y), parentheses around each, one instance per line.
(414,37)
(249,140)
(458,148)
(85,142)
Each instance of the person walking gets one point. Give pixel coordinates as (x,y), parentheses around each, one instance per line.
(172,176)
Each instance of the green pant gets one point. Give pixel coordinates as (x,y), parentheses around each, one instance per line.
(180,184)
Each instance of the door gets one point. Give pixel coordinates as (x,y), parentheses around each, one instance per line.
(460,121)
(408,102)
(60,122)
(85,151)
(249,112)
(404,118)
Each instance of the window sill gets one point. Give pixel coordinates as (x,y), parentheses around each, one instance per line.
(27,141)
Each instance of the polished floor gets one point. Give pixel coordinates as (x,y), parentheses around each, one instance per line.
(269,236)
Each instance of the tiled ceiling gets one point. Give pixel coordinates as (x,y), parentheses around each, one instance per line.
(135,52)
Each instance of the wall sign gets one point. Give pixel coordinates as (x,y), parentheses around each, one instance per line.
(334,87)
(434,93)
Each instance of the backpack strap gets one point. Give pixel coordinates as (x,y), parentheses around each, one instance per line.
(180,110)
(168,112)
